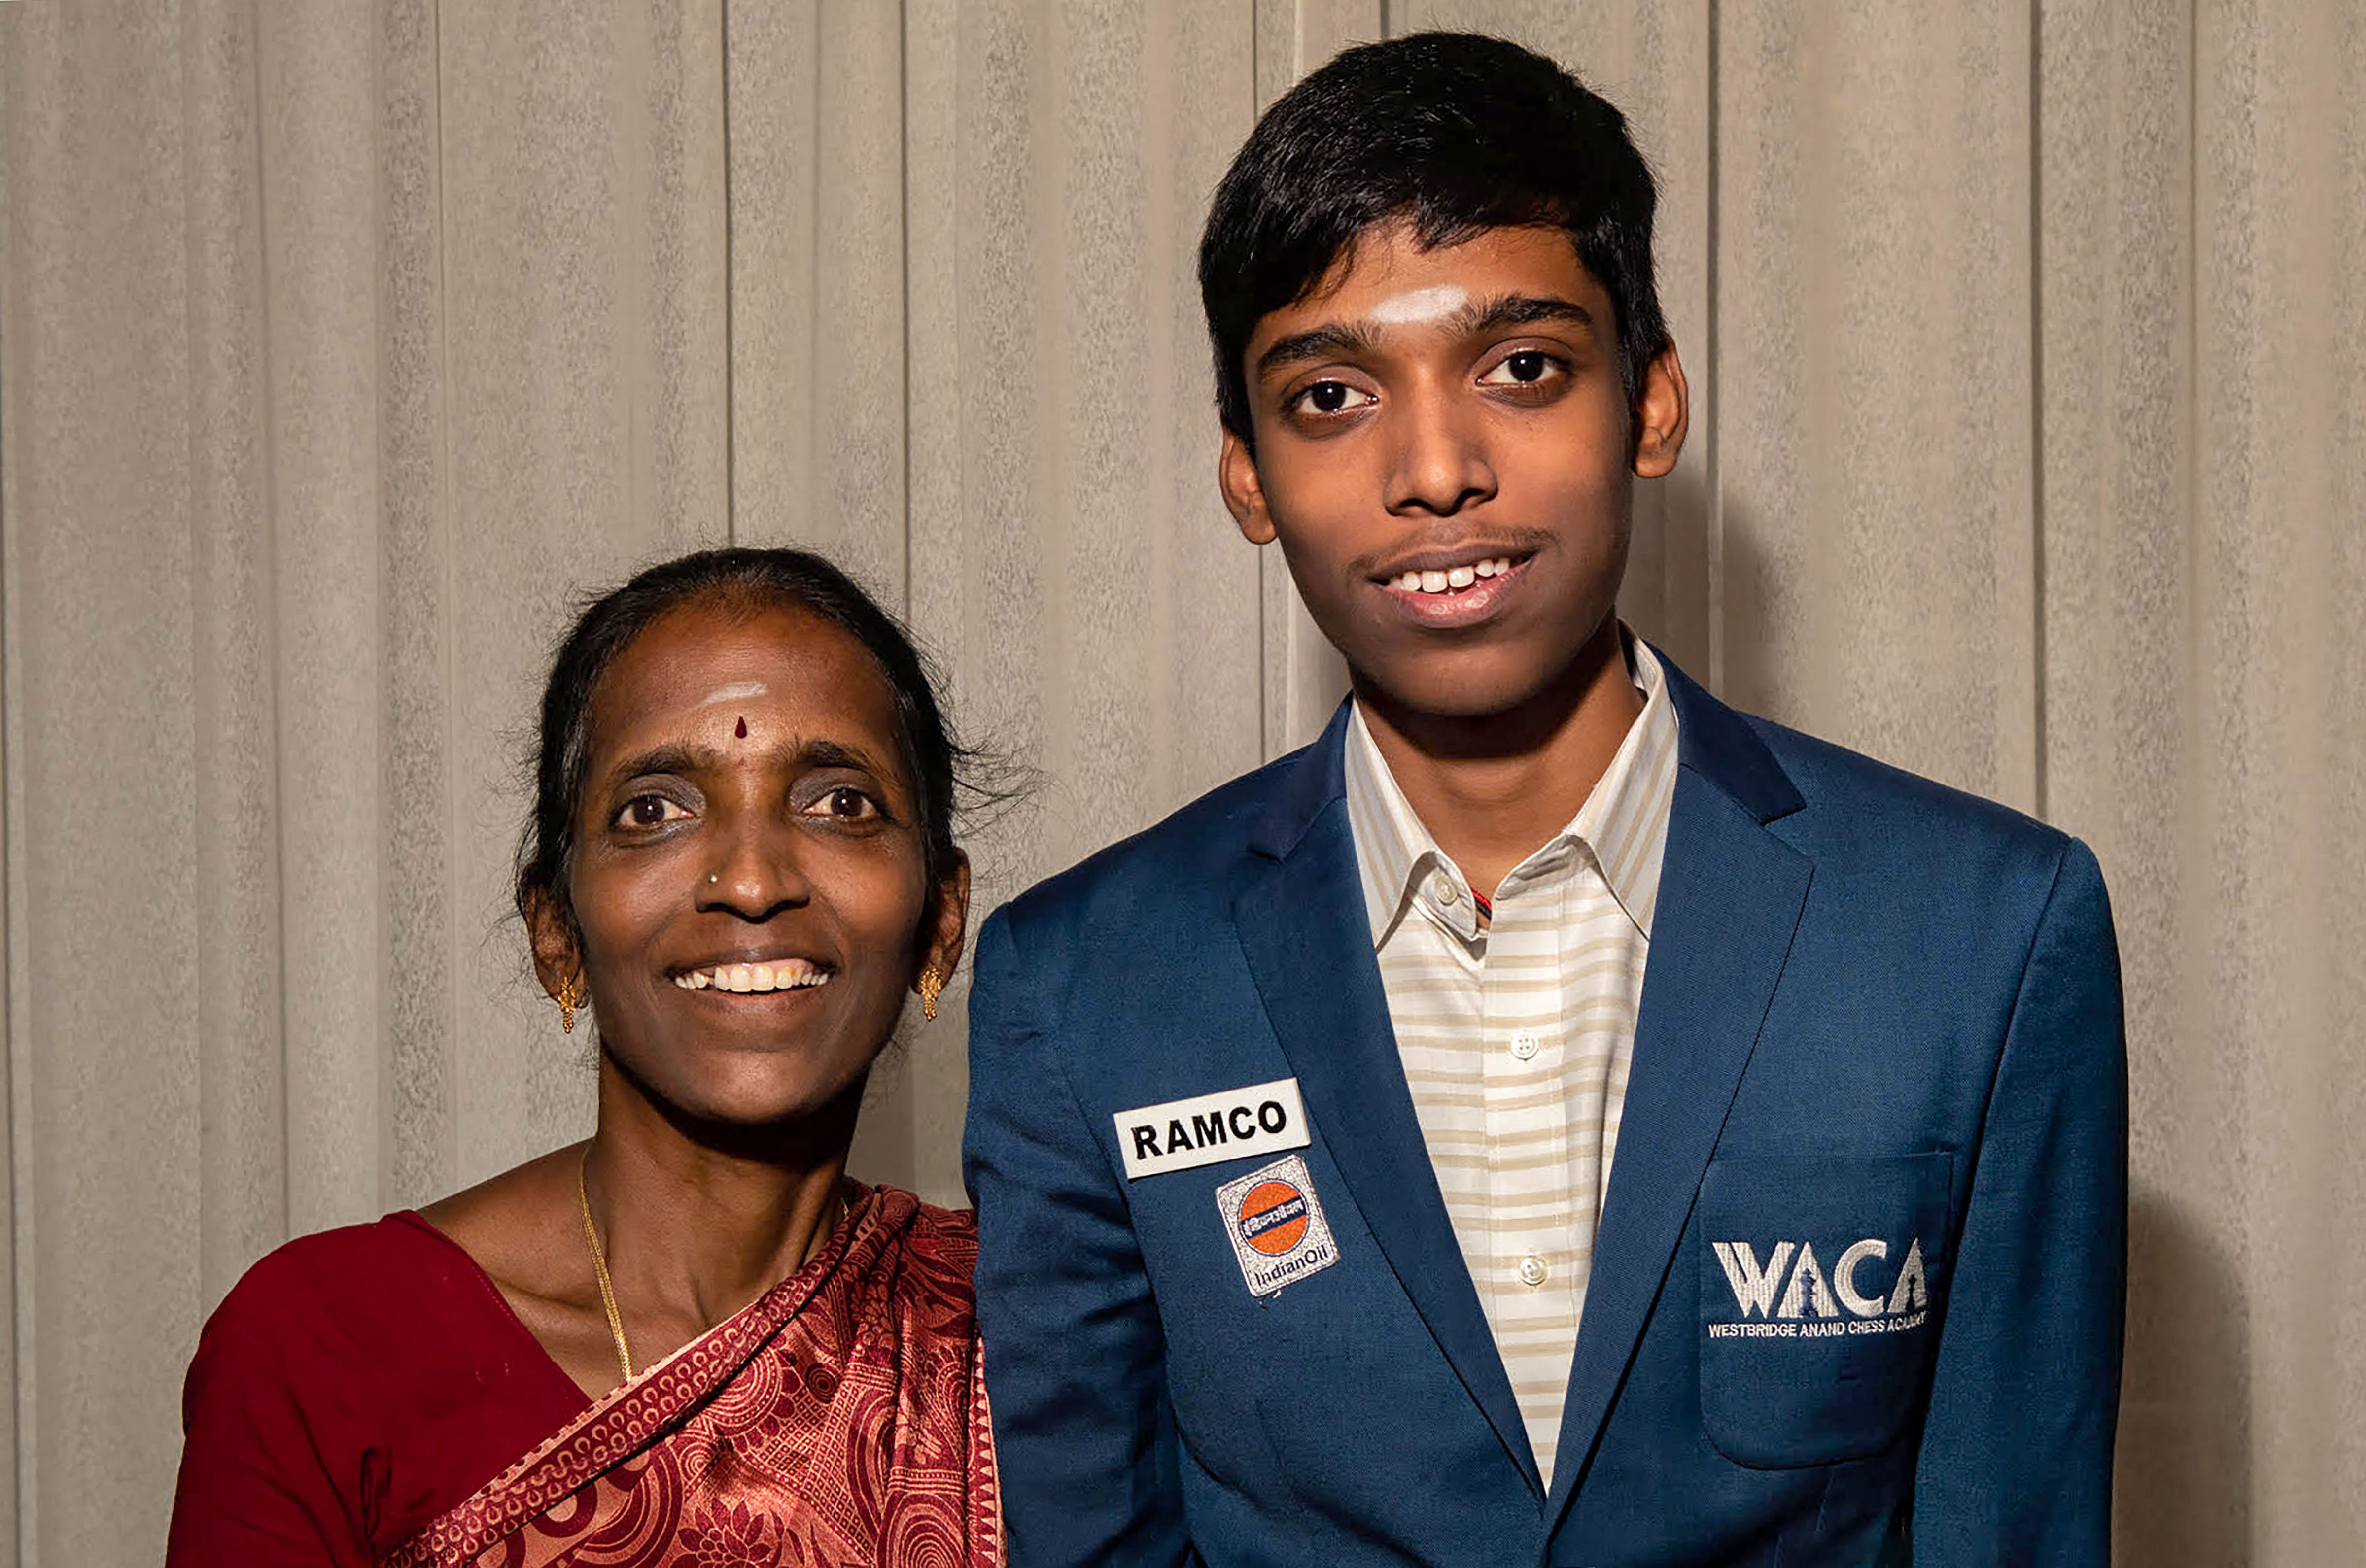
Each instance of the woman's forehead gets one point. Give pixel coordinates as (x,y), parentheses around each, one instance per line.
(783,664)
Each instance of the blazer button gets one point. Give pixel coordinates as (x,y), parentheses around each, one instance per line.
(1532,1271)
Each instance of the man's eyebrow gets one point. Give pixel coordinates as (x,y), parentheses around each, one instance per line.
(1351,339)
(1508,311)
(1332,339)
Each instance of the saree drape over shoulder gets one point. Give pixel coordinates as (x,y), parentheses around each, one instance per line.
(840,1419)
(364,1396)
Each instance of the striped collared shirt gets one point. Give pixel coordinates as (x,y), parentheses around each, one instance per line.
(1516,1038)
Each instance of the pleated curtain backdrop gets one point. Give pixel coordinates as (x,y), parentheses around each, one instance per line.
(342,345)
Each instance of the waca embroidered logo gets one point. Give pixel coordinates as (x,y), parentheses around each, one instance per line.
(1790,1295)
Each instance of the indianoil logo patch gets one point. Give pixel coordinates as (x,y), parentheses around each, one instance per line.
(1276,1224)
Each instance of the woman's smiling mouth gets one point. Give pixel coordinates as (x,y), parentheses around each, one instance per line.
(780,974)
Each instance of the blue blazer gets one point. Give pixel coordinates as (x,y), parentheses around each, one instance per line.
(1857,1289)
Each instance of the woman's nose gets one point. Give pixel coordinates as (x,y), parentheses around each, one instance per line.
(757,873)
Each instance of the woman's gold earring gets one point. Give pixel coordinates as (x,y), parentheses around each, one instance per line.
(571,995)
(933,985)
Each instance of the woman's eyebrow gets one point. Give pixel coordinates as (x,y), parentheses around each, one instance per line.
(838,753)
(687,760)
(681,760)
(671,757)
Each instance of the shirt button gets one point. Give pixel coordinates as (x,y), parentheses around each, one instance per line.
(1524,1046)
(1532,1271)
(1445,889)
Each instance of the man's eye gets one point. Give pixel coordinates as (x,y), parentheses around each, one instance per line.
(649,811)
(1524,368)
(1331,398)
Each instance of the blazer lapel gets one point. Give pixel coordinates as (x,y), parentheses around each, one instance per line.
(1300,917)
(1730,896)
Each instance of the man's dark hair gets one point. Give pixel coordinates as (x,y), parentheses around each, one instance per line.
(1453,132)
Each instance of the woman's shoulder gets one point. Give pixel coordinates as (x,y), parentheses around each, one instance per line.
(939,1247)
(353,1383)
(345,1283)
(952,1232)
(362,1321)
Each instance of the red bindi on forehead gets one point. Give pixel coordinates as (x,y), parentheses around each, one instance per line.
(742,731)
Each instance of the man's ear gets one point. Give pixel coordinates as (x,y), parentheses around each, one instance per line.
(1661,413)
(1237,476)
(944,938)
(557,958)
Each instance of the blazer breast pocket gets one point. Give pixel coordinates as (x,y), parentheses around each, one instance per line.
(1821,1277)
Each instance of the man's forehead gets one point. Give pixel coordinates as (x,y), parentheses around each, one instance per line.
(1389,278)
(1417,306)
(1362,319)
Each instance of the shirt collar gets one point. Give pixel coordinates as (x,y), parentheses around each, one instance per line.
(1623,824)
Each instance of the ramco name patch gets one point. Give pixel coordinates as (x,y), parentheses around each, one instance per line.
(1232,1123)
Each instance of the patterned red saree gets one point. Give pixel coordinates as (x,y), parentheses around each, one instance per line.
(840,1419)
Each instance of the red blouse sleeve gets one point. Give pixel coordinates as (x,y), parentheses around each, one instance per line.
(350,1389)
(277,1465)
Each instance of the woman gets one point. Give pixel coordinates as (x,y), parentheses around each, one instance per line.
(690,1340)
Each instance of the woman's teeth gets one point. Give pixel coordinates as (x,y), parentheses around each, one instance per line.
(789,975)
(1450,579)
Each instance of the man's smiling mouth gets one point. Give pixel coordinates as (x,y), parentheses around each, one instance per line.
(1456,587)
(1450,579)
(785,974)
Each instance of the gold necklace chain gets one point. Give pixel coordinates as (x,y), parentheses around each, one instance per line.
(599,1267)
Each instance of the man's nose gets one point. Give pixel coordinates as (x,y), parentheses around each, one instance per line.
(1440,462)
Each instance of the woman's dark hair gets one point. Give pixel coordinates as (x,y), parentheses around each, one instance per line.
(1454,132)
(745,582)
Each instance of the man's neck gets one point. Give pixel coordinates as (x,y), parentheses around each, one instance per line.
(1494,788)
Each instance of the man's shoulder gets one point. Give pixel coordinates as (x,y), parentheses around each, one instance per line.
(1881,820)
(1832,802)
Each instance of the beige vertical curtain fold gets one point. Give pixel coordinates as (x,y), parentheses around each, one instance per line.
(339,346)
(342,345)
(2204,205)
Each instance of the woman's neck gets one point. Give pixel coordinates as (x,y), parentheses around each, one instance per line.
(697,1221)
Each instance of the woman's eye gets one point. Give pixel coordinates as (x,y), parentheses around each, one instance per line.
(846,803)
(1331,398)
(1524,368)
(649,811)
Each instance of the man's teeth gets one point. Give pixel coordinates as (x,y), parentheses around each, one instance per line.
(1451,578)
(792,974)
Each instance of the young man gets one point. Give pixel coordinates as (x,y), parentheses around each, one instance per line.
(1553,1117)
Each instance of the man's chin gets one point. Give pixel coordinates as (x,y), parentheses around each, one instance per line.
(1464,691)
(1474,687)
